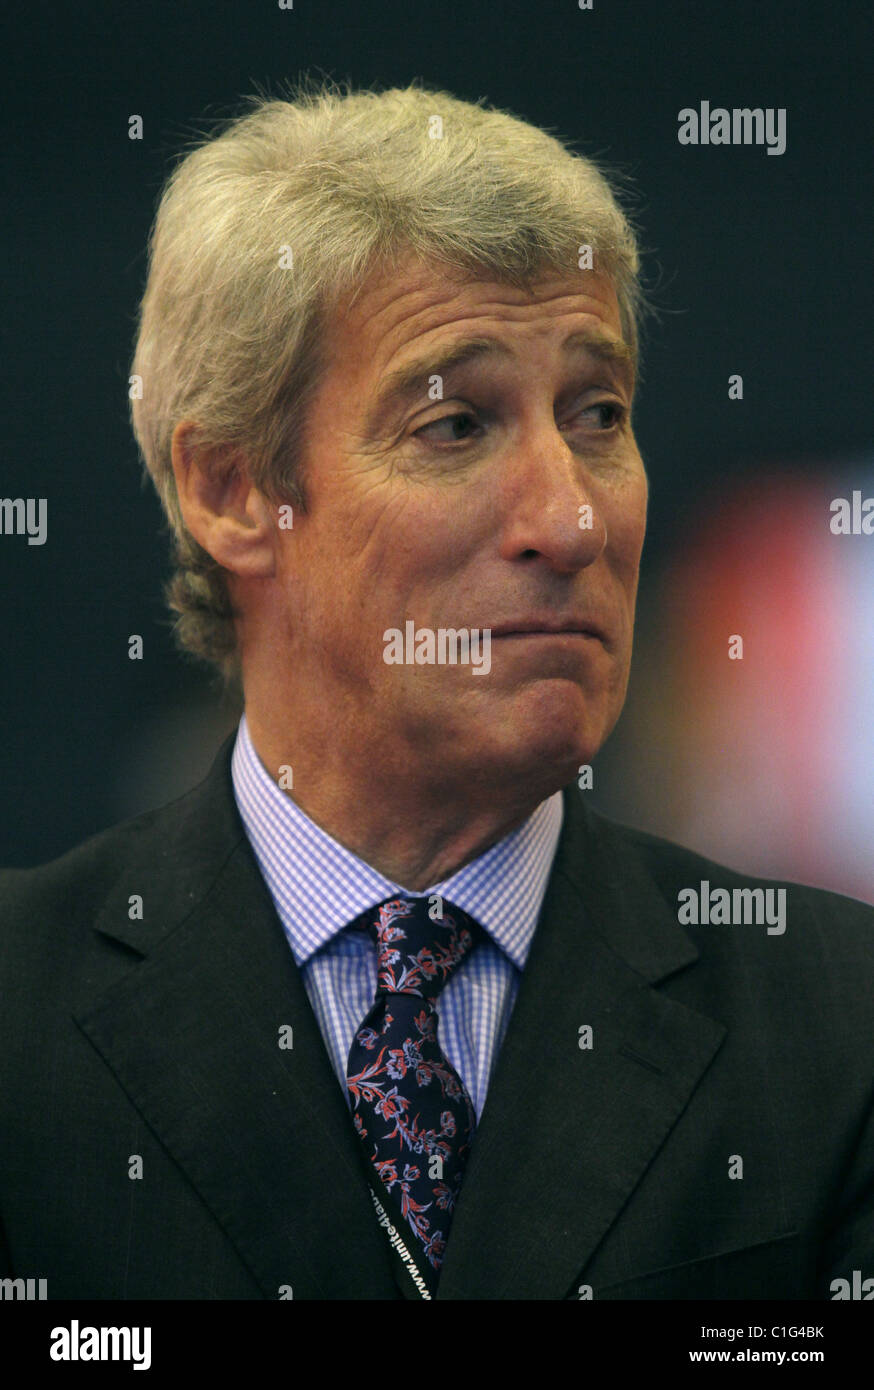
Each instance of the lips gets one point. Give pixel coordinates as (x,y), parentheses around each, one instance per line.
(553,626)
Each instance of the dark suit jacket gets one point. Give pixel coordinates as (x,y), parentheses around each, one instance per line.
(606,1167)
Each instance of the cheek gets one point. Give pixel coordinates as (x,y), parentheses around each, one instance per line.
(625,520)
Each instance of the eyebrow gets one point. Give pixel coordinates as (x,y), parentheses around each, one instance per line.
(409,381)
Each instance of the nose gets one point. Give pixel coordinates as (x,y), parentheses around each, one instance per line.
(550,505)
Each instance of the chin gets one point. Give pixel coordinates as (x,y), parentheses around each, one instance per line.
(550,744)
(559,716)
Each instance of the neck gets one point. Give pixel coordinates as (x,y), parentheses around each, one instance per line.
(416,824)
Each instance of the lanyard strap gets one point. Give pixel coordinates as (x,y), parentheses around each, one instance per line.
(412,1281)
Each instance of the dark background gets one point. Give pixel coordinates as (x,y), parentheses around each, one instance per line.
(760,264)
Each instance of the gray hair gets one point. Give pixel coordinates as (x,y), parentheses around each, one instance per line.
(229,337)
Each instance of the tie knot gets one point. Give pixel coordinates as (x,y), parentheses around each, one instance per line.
(419,941)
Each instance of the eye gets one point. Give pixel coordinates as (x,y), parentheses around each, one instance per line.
(451,423)
(616,412)
(457,428)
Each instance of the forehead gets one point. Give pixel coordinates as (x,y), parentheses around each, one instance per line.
(410,316)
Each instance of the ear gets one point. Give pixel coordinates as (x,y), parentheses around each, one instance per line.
(222,508)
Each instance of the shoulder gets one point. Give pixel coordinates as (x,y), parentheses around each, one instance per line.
(86,870)
(675,868)
(173,850)
(823,941)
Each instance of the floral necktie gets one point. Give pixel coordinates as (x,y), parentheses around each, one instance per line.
(410,1107)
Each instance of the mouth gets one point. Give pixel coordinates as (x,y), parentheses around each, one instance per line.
(590,631)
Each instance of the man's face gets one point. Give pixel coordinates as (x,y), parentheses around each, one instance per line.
(465,512)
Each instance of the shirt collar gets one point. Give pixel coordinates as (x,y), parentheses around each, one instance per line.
(318,886)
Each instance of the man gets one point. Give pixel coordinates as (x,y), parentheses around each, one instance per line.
(383,1009)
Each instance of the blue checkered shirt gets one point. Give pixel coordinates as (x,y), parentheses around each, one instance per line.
(319,887)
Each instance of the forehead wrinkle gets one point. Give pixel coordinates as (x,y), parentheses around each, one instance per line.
(448,294)
(392,388)
(408,381)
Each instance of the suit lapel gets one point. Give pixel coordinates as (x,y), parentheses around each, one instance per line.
(567,1134)
(263,1133)
(192,1034)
